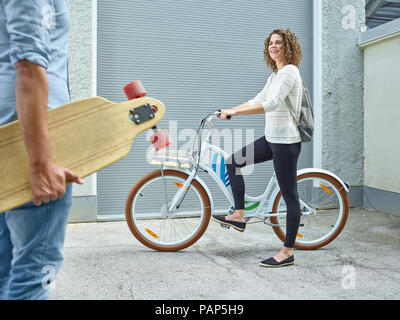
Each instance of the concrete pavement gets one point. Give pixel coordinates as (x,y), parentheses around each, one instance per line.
(104,261)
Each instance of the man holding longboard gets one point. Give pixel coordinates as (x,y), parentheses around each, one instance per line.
(41,151)
(33,77)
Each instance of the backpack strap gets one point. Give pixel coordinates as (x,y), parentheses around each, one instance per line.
(290,109)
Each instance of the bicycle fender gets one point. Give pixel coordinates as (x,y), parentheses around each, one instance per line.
(310,170)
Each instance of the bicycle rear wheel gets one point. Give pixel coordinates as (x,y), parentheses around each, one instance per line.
(327,199)
(147,216)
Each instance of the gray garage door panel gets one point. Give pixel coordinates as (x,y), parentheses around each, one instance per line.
(194,56)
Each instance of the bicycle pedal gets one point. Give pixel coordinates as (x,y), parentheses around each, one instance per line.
(225,226)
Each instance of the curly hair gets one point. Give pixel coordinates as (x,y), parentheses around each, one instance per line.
(293,51)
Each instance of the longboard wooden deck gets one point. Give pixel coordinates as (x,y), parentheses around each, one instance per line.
(85,136)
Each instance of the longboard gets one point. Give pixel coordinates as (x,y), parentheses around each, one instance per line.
(85,136)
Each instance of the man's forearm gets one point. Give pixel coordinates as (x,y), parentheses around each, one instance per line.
(47,180)
(31,91)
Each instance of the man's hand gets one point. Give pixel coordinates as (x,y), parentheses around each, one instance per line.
(48,182)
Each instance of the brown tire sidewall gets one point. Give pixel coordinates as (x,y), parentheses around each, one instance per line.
(151,176)
(281,235)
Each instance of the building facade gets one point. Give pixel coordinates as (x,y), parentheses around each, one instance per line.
(197,56)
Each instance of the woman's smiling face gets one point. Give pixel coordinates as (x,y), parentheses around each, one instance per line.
(276,47)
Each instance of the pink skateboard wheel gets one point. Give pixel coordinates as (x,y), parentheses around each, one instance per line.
(134,90)
(160,139)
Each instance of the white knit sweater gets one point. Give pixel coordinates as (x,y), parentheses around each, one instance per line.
(280,126)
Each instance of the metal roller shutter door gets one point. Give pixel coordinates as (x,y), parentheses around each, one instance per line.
(194,56)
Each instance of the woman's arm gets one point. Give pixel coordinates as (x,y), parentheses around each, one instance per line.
(264,102)
(243,108)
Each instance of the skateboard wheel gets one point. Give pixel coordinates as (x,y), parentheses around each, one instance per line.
(134,90)
(160,139)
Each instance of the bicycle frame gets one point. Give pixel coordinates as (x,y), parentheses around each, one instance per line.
(260,206)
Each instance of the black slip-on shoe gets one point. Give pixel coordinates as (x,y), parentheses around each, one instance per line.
(239,226)
(272,263)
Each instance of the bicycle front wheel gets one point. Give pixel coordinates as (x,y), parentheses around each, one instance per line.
(150,221)
(324,210)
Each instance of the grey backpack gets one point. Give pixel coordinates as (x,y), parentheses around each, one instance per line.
(306,121)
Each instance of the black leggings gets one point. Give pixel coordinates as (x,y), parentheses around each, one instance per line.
(285,158)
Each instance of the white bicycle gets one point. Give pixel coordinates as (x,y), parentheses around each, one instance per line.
(182,204)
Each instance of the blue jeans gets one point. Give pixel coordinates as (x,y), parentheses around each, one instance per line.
(31,248)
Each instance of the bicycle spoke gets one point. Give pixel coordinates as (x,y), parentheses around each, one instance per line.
(167,228)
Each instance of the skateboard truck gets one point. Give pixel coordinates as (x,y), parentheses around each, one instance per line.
(134,90)
(141,114)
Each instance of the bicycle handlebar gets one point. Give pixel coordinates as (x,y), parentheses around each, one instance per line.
(217,114)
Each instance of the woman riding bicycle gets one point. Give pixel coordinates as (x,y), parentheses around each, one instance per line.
(281,143)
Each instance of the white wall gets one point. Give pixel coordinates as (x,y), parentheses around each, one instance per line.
(82,75)
(382,114)
(82,65)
